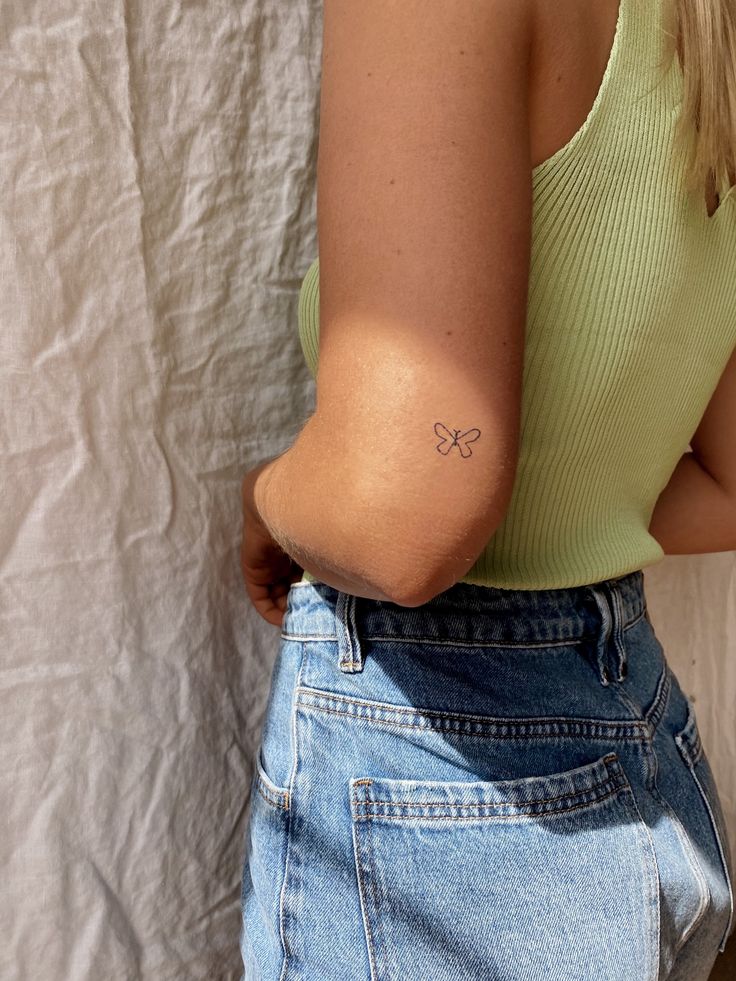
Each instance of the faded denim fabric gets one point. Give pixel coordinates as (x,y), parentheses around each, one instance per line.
(496,785)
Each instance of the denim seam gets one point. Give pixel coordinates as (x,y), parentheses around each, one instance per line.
(491,817)
(570,795)
(474,725)
(691,749)
(652,867)
(466,717)
(362,896)
(613,771)
(589,730)
(622,697)
(448,641)
(591,794)
(372,925)
(689,853)
(726,871)
(286,953)
(656,710)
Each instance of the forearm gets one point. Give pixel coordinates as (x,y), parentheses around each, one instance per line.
(694,514)
(304,510)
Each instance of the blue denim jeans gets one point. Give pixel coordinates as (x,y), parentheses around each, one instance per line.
(496,785)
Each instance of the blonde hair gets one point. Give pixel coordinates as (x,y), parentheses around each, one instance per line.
(702,33)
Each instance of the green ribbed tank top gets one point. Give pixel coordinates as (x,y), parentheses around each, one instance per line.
(631,321)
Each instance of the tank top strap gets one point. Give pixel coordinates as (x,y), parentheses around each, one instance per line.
(635,74)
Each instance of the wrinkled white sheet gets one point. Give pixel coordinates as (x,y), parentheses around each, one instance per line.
(157,169)
(156,213)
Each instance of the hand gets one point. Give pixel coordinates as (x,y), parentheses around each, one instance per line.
(267,569)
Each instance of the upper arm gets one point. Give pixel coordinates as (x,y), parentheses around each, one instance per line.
(424,229)
(714,441)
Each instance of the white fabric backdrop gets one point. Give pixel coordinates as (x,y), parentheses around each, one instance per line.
(157,214)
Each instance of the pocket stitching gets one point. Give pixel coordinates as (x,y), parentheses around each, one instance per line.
(489,817)
(612,778)
(599,785)
(577,780)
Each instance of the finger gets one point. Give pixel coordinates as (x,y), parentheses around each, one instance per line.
(270,612)
(264,602)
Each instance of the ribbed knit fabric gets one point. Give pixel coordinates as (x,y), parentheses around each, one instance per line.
(631,321)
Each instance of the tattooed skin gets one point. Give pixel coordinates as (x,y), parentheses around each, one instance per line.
(448,439)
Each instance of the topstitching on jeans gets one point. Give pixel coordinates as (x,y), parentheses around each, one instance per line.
(453,642)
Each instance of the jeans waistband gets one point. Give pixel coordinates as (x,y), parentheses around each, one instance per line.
(467,613)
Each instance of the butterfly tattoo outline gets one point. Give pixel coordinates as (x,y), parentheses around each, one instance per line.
(448,439)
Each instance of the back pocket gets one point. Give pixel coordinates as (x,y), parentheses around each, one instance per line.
(538,877)
(691,749)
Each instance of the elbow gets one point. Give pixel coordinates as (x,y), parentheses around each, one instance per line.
(445,576)
(423,580)
(415,591)
(433,552)
(406,586)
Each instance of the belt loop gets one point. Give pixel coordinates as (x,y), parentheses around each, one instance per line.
(350,655)
(600,593)
(618,630)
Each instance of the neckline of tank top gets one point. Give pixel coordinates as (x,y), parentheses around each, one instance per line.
(579,133)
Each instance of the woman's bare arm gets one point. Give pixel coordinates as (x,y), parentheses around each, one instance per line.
(696,512)
(424,199)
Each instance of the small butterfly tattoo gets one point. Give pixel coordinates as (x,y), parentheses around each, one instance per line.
(455,438)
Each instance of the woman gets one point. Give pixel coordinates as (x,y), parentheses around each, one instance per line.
(476,762)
